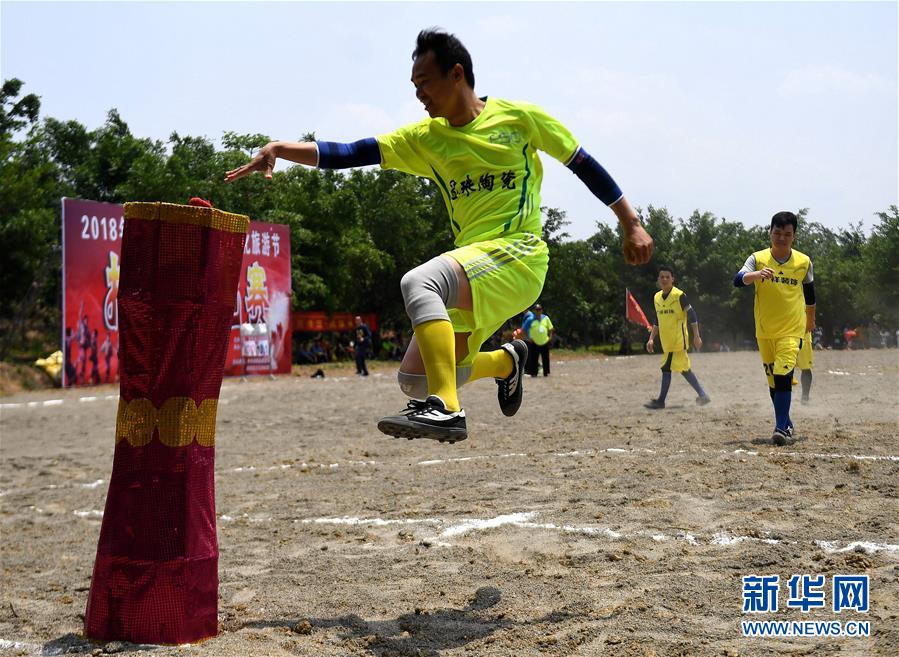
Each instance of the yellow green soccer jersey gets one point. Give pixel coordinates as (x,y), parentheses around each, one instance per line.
(487,170)
(672,319)
(779,301)
(539,330)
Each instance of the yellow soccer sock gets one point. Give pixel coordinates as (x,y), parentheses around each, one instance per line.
(496,364)
(437,345)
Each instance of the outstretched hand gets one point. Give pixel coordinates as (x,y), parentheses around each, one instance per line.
(264,162)
(637,245)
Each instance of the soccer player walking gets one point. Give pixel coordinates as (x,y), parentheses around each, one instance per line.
(481,152)
(784,313)
(673,311)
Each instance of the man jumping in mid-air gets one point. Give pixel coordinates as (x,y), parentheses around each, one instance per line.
(482,155)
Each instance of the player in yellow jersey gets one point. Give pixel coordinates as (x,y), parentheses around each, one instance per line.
(481,152)
(673,312)
(784,313)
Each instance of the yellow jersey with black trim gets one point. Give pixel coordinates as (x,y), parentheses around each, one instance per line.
(672,320)
(779,301)
(488,170)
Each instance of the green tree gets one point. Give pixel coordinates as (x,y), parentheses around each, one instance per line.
(880,271)
(28,225)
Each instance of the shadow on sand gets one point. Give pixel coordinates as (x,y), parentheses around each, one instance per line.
(422,633)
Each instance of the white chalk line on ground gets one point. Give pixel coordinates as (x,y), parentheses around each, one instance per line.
(576,453)
(5,644)
(377,522)
(525,520)
(93,398)
(681,452)
(45,651)
(58,402)
(482,457)
(845,373)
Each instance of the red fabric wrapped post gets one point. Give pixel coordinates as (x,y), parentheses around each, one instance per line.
(156,572)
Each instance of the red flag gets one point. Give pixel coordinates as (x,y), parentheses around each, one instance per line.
(635,312)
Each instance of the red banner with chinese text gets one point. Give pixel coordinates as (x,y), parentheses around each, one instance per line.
(92,236)
(313,321)
(263,296)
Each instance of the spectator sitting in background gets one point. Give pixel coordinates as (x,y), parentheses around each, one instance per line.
(388,349)
(817,338)
(318,352)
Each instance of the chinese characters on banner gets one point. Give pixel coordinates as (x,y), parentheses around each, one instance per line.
(92,235)
(316,321)
(263,297)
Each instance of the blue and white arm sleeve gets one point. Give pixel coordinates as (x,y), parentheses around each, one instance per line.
(595,177)
(333,155)
(748,266)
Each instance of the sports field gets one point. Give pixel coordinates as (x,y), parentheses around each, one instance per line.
(585,525)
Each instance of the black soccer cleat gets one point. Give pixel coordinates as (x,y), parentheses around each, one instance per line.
(654,404)
(510,390)
(782,437)
(426,419)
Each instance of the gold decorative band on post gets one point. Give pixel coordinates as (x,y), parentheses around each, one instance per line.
(188,214)
(178,422)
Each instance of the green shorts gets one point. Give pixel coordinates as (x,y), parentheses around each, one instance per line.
(506,277)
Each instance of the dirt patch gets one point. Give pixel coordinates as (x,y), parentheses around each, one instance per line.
(586,525)
(19,377)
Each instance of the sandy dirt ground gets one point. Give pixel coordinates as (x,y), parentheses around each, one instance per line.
(586,525)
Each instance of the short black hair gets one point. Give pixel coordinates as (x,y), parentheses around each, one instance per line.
(448,51)
(784,219)
(670,270)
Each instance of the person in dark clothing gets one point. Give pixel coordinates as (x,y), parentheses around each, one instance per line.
(363,346)
(95,358)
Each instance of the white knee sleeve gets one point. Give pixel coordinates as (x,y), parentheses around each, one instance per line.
(416,385)
(429,289)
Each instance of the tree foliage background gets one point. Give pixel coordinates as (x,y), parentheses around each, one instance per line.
(354,234)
